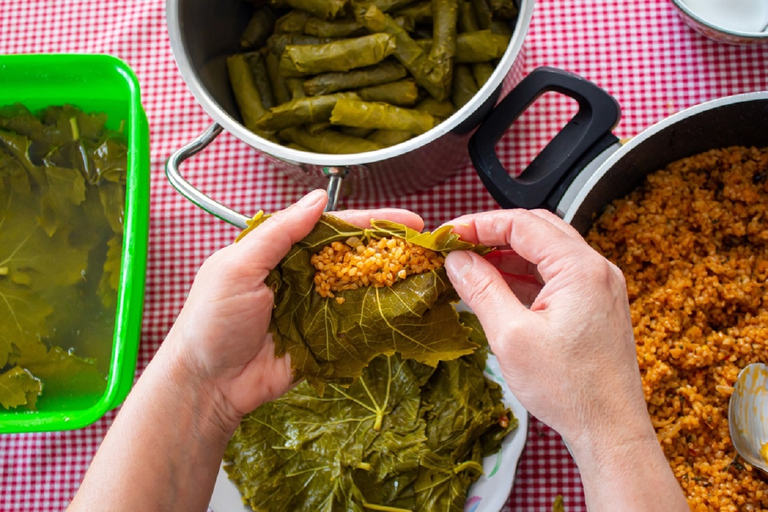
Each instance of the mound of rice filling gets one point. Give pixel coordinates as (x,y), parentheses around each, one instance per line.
(692,242)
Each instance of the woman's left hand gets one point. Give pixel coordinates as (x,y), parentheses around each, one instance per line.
(220,336)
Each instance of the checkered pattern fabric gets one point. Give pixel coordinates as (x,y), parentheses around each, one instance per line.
(640,52)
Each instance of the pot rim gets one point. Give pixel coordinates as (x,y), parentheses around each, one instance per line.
(233,126)
(741,34)
(588,185)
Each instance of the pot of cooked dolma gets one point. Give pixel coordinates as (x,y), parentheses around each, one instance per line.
(383,94)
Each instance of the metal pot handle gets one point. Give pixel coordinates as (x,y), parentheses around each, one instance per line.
(545,180)
(185,188)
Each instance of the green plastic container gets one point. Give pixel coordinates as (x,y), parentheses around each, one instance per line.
(93,83)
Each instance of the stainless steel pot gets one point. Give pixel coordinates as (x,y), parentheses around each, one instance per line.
(203,32)
(584,167)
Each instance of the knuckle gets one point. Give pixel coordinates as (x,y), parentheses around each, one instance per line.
(482,289)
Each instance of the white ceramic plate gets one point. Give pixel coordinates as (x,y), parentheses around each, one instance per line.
(488,494)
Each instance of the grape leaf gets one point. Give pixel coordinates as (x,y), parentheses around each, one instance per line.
(61,370)
(304,450)
(55,249)
(18,387)
(331,342)
(378,444)
(31,262)
(110,279)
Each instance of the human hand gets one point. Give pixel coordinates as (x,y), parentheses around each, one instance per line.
(570,358)
(221,333)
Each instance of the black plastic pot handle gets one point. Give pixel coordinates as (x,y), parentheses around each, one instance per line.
(545,180)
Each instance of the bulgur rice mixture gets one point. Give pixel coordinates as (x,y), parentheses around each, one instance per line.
(379,262)
(692,242)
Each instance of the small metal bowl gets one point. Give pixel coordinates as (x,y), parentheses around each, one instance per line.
(726,21)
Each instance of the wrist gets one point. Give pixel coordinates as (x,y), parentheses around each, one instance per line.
(627,472)
(192,391)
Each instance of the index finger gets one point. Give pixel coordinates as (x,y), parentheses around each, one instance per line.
(540,239)
(363,218)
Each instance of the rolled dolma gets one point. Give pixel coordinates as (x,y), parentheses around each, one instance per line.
(482,71)
(354,131)
(277,42)
(467,19)
(389,137)
(445,17)
(439,109)
(302,110)
(292,22)
(261,78)
(259,28)
(346,27)
(480,46)
(326,9)
(403,92)
(315,128)
(296,87)
(419,13)
(279,86)
(341,55)
(388,5)
(337,28)
(464,86)
(482,13)
(408,51)
(501,27)
(384,72)
(505,9)
(244,88)
(297,147)
(329,141)
(364,114)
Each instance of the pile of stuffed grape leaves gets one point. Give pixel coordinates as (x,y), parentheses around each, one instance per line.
(405,437)
(394,411)
(400,66)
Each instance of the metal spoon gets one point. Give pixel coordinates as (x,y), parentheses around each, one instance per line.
(748,415)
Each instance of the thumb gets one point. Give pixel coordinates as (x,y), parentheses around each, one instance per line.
(271,241)
(484,290)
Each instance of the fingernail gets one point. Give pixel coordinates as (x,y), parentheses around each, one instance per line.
(458,263)
(312,198)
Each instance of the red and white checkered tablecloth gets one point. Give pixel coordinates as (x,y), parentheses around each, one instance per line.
(641,52)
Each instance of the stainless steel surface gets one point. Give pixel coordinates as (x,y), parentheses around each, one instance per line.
(335,176)
(202,33)
(173,172)
(715,20)
(748,414)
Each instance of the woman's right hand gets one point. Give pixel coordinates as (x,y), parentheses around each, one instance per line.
(557,318)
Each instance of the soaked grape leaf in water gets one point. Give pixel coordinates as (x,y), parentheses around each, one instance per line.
(60,241)
(331,342)
(31,262)
(18,387)
(405,436)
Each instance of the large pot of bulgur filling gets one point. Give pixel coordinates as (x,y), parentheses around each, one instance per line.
(682,209)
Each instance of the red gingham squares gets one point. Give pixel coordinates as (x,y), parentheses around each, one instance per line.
(640,52)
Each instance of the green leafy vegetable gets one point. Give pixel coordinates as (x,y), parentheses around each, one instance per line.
(405,436)
(331,342)
(62,196)
(19,387)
